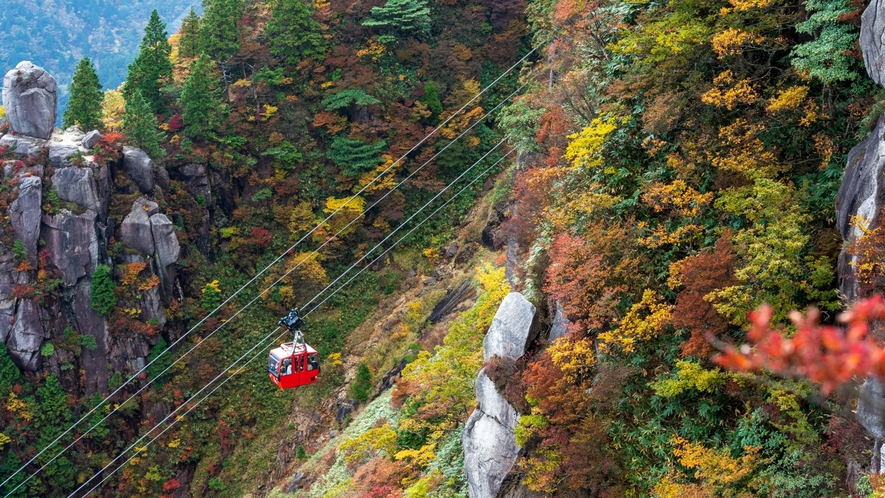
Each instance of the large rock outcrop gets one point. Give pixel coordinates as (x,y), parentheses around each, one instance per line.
(489,443)
(872,40)
(30,97)
(862,194)
(140,168)
(25,214)
(148,231)
(72,243)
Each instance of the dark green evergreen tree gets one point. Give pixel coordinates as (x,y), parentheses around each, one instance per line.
(431,100)
(200,100)
(355,156)
(51,419)
(152,69)
(400,17)
(8,372)
(362,384)
(219,34)
(84,106)
(292,33)
(102,297)
(189,41)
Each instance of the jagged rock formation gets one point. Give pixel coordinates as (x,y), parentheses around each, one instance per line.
(66,232)
(30,98)
(872,40)
(862,194)
(489,443)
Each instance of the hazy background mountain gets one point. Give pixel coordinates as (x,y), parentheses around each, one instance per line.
(55,34)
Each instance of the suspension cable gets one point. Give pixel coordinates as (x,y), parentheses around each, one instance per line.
(254,278)
(233,366)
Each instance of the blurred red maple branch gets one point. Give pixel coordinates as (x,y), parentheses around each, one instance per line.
(829,355)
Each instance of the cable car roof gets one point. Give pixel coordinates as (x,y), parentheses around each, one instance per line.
(288,349)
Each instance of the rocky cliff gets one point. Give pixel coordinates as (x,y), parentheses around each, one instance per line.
(73,201)
(489,442)
(862,197)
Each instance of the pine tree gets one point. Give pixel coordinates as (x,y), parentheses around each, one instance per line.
(84,106)
(189,42)
(292,33)
(140,126)
(102,297)
(200,100)
(152,68)
(407,17)
(8,372)
(219,34)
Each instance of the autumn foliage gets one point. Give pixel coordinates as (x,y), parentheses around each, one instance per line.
(829,355)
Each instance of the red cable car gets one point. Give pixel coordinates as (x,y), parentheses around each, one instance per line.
(295,363)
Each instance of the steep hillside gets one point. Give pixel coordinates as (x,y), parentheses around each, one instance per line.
(663,183)
(244,168)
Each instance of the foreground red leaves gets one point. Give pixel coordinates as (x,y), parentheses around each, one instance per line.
(829,355)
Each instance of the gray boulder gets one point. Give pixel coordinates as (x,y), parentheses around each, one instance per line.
(165,240)
(871,408)
(72,243)
(489,444)
(25,214)
(7,317)
(513,328)
(61,153)
(22,145)
(30,98)
(26,336)
(90,139)
(560,323)
(151,306)
(77,185)
(140,168)
(135,231)
(488,439)
(872,40)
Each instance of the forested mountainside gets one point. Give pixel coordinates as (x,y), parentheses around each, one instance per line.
(57,34)
(662,184)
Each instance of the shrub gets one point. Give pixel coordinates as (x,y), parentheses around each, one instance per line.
(362,385)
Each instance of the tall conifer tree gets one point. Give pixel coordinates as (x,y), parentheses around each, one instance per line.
(292,33)
(84,106)
(140,125)
(152,68)
(200,100)
(219,35)
(189,42)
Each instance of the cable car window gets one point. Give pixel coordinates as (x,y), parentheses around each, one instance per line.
(313,362)
(300,364)
(272,363)
(287,367)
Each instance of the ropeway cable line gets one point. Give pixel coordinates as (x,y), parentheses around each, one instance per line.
(234,366)
(253,279)
(315,251)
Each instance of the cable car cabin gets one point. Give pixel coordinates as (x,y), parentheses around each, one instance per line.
(293,365)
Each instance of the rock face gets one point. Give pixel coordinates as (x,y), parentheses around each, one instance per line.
(489,443)
(140,168)
(72,243)
(77,185)
(25,214)
(22,145)
(153,234)
(30,98)
(862,193)
(872,40)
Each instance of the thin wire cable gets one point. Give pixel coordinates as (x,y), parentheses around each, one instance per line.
(416,213)
(253,279)
(233,366)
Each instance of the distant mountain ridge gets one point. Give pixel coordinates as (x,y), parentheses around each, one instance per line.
(55,34)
